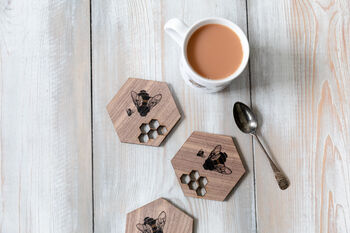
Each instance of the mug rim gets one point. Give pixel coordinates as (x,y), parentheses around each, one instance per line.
(235,28)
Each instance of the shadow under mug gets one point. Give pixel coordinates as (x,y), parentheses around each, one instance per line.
(181,33)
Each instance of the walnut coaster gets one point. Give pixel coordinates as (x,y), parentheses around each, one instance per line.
(143,112)
(157,217)
(208,166)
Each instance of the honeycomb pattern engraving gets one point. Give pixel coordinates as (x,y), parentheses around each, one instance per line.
(145,128)
(143,138)
(195,182)
(151,130)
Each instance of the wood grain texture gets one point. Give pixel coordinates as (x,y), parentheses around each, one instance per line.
(129,41)
(158,216)
(143,112)
(301,88)
(45,157)
(216,161)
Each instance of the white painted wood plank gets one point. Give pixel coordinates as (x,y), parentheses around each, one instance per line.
(128,41)
(301,88)
(45,156)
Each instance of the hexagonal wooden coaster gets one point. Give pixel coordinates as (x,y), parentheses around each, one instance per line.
(157,217)
(208,166)
(143,112)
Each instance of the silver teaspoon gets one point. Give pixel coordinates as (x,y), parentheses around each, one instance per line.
(247,123)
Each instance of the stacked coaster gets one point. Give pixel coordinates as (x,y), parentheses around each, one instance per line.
(157,217)
(143,112)
(208,166)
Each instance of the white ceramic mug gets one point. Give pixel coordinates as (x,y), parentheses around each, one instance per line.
(181,33)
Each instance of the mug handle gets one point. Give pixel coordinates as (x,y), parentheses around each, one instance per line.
(176,29)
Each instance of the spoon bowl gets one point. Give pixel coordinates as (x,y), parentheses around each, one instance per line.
(245,118)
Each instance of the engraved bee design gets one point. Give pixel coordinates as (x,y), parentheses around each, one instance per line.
(151,225)
(144,102)
(216,161)
(200,153)
(129,112)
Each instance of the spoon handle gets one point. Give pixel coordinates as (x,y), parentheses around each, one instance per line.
(280,177)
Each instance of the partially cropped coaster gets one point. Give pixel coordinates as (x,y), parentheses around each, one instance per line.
(208,166)
(157,217)
(143,112)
